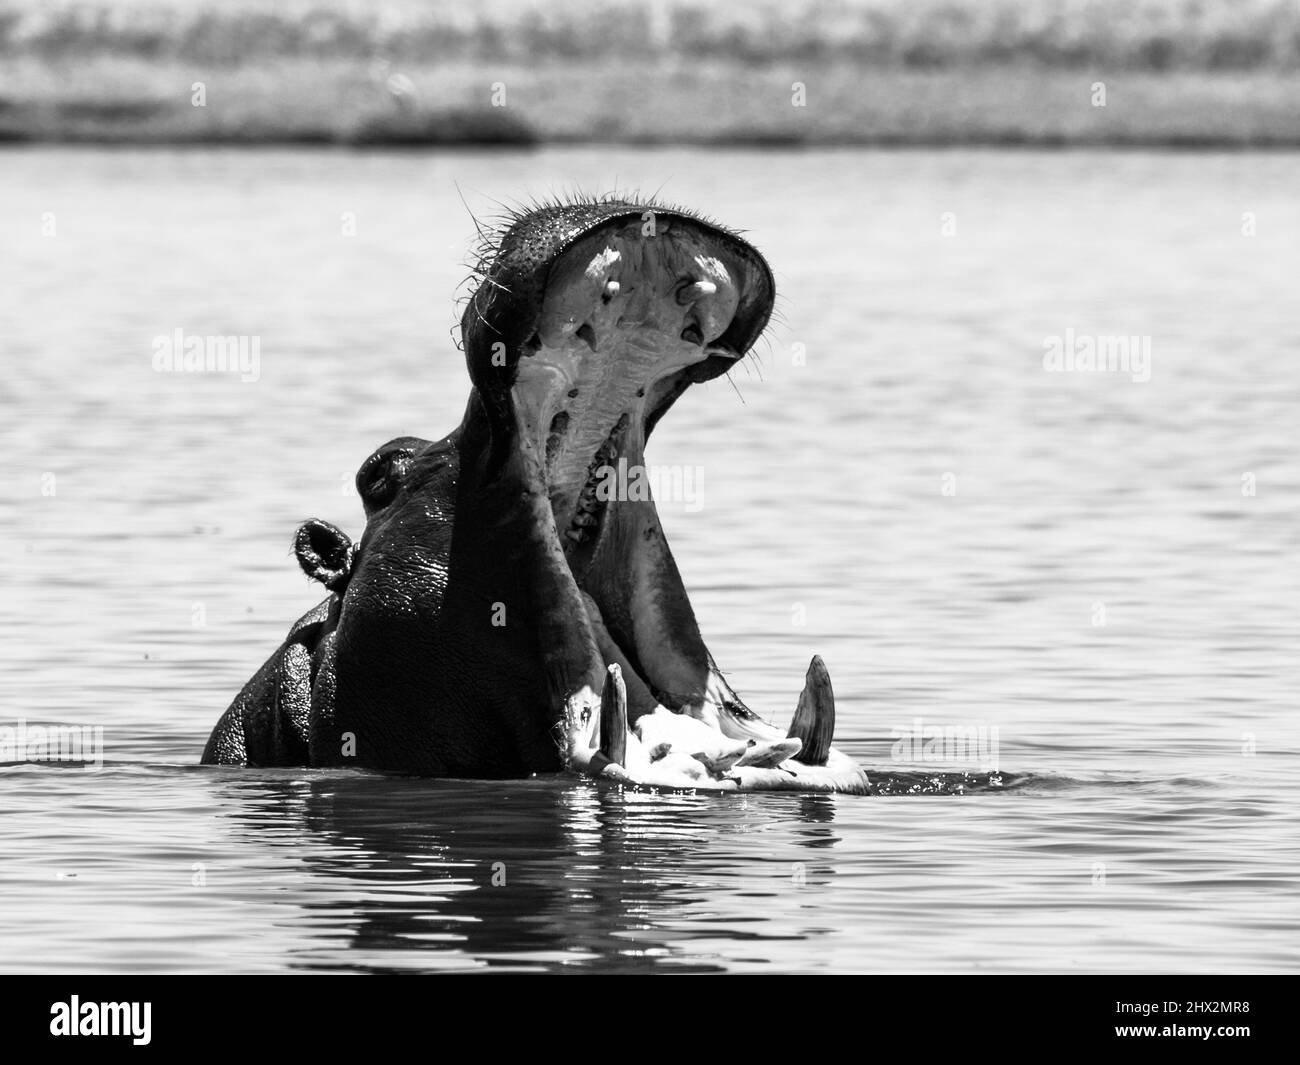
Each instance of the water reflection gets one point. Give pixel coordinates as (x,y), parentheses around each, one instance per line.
(541,873)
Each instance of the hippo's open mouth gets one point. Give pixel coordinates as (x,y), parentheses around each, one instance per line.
(627,318)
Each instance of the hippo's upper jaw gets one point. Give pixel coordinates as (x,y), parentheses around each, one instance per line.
(506,611)
(626,306)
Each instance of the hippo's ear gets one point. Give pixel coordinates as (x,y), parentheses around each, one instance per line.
(324,553)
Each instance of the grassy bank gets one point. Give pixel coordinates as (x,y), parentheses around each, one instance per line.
(925,72)
(306,101)
(1120,34)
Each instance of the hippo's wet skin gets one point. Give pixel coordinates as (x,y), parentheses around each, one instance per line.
(499,616)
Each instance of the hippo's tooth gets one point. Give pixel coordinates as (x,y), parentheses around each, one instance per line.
(688,294)
(613,716)
(720,763)
(814,718)
(769,755)
(576,536)
(585,520)
(611,290)
(572,290)
(712,300)
(600,766)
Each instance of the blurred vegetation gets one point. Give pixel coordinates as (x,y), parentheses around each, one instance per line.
(416,72)
(1122,34)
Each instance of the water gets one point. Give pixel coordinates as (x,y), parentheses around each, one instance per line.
(1144,815)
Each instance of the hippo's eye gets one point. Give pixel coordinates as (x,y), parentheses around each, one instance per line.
(381,476)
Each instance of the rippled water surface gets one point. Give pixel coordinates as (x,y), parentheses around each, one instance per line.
(1102,570)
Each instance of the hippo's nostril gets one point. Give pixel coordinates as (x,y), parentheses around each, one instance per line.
(692,335)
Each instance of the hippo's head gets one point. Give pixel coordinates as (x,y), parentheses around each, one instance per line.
(513,605)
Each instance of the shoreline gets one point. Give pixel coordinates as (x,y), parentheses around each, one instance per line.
(132,102)
(1176,147)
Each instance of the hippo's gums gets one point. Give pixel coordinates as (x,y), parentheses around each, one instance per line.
(500,615)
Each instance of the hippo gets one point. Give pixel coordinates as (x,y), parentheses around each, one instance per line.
(501,616)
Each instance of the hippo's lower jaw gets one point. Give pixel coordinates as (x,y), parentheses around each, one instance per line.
(716,747)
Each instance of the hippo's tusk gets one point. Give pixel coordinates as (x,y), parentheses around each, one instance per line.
(600,766)
(611,290)
(814,717)
(613,716)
